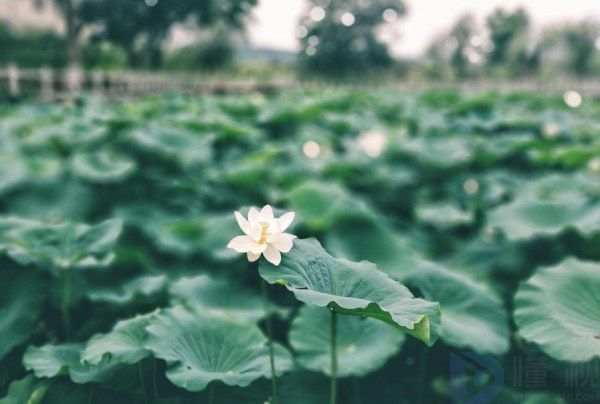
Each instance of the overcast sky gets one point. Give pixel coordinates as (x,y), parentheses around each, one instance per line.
(275,21)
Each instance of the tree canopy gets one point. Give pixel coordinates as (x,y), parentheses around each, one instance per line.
(341,37)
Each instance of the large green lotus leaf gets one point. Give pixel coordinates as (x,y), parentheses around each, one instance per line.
(472,315)
(123,344)
(484,255)
(366,238)
(60,199)
(45,167)
(102,166)
(13,169)
(318,205)
(363,344)
(26,390)
(172,233)
(64,245)
(22,296)
(443,215)
(174,143)
(559,309)
(248,172)
(359,288)
(569,155)
(527,218)
(10,224)
(491,148)
(30,390)
(441,152)
(217,296)
(71,132)
(561,187)
(59,360)
(200,349)
(221,227)
(141,288)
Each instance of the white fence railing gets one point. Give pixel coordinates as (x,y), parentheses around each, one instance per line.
(46,83)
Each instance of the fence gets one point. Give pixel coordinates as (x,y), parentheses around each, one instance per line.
(50,84)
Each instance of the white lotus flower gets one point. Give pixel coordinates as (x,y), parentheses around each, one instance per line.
(264,234)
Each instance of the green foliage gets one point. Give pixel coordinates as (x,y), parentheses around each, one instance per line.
(212,53)
(31,48)
(200,349)
(123,344)
(359,355)
(63,245)
(339,44)
(24,391)
(103,55)
(580,44)
(58,360)
(217,296)
(140,29)
(116,284)
(357,288)
(557,309)
(505,28)
(472,315)
(21,302)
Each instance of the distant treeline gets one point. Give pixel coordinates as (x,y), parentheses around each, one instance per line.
(336,39)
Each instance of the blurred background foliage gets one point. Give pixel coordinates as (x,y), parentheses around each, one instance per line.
(335,39)
(463,197)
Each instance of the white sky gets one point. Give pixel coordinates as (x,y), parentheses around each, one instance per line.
(275,21)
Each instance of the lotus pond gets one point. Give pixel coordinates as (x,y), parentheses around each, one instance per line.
(448,245)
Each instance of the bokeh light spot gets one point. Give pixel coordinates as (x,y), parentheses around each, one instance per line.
(372,143)
(572,98)
(347,19)
(317,14)
(390,15)
(311,149)
(471,186)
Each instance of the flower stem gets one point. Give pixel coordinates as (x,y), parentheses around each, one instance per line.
(211,393)
(356,387)
(143,384)
(154,386)
(422,374)
(269,325)
(91,395)
(65,278)
(333,348)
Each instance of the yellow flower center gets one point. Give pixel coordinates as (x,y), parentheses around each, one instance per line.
(264,233)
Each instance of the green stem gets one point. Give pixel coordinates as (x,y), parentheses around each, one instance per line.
(356,387)
(91,395)
(154,386)
(422,374)
(142,382)
(65,277)
(211,393)
(269,325)
(333,349)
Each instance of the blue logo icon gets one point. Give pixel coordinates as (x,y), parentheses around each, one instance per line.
(475,378)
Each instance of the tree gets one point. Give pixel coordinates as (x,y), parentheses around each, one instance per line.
(505,29)
(580,44)
(454,48)
(461,34)
(339,37)
(141,27)
(69,9)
